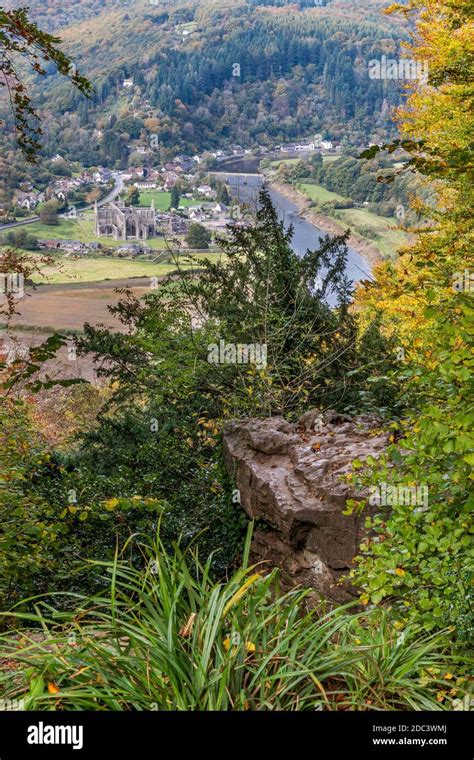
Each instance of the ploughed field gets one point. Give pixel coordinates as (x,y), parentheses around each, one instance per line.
(67,306)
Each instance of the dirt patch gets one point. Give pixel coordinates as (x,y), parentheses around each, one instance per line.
(68,307)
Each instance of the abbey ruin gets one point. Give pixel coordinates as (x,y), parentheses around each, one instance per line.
(124,222)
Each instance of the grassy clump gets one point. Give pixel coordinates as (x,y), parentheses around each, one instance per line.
(170,638)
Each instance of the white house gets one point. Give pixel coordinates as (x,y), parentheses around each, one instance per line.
(207,191)
(219,208)
(27,200)
(300,148)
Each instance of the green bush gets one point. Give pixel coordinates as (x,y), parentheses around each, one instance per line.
(44,541)
(419,558)
(167,637)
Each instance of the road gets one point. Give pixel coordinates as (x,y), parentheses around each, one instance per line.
(116,190)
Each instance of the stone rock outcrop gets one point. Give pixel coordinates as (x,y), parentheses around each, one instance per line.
(290,480)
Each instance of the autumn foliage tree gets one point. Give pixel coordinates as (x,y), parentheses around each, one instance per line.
(418,558)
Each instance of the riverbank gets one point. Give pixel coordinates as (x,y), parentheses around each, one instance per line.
(366,249)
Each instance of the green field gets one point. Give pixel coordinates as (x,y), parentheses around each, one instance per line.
(361,220)
(387,240)
(162,199)
(67,229)
(95,269)
(319,193)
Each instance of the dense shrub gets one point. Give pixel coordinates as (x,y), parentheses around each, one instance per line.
(44,541)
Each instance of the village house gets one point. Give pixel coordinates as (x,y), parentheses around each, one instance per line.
(196,214)
(220,208)
(80,181)
(72,246)
(177,225)
(134,249)
(145,185)
(29,200)
(170,179)
(64,184)
(102,176)
(206,211)
(69,246)
(50,245)
(186,163)
(297,147)
(207,191)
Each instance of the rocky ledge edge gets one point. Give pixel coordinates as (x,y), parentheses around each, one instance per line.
(290,480)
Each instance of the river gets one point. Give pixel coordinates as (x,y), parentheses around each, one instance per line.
(245,188)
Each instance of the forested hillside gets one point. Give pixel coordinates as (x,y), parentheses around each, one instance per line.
(207,75)
(54,14)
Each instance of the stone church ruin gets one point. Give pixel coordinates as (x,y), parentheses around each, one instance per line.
(123,222)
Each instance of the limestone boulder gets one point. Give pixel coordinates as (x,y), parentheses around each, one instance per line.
(291,481)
